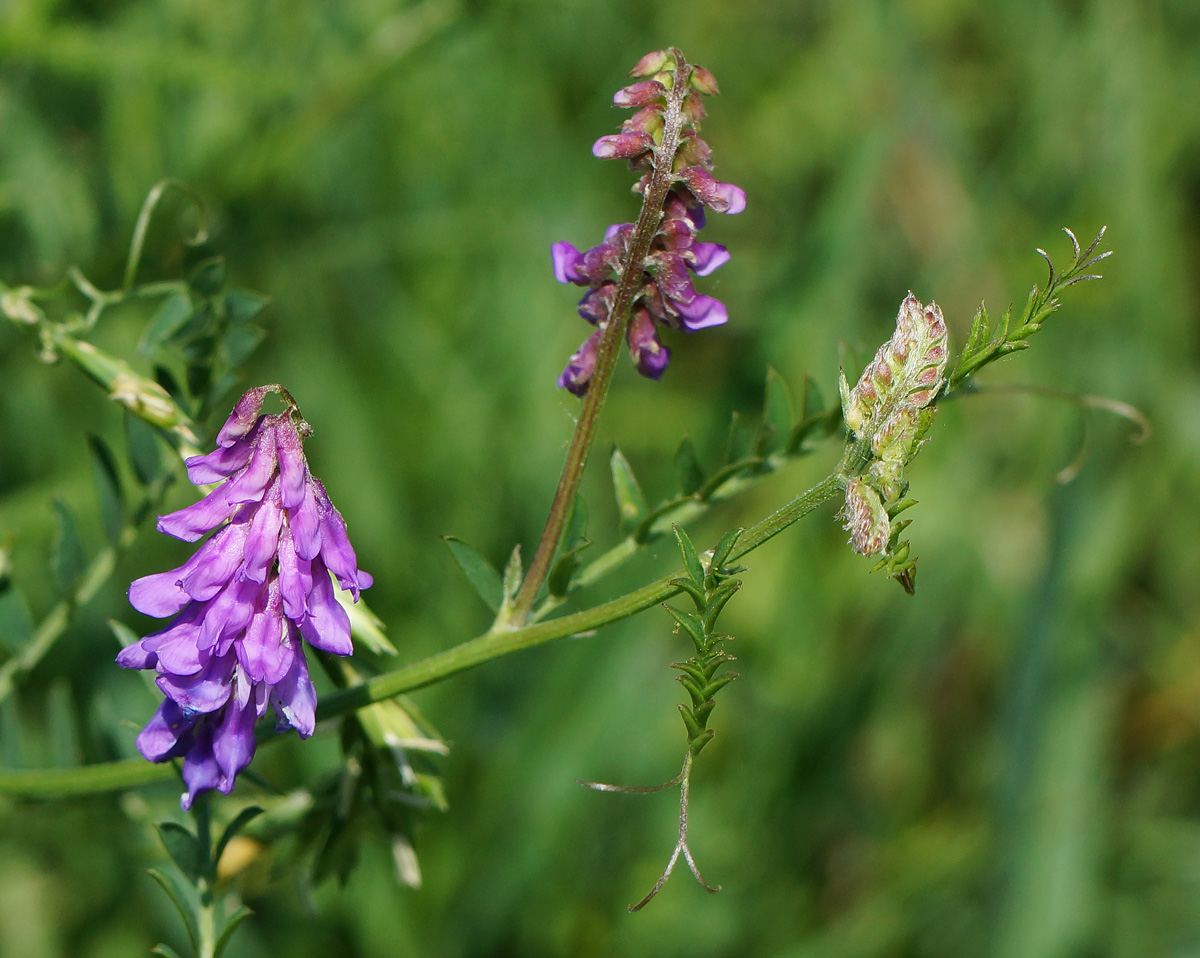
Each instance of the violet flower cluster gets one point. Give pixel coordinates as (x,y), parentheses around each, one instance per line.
(665,296)
(243,601)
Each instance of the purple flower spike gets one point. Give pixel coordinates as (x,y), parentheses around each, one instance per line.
(244,599)
(657,289)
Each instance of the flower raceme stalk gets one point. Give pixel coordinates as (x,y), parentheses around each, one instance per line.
(245,599)
(664,295)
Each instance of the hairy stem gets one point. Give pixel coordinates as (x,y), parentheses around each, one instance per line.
(610,346)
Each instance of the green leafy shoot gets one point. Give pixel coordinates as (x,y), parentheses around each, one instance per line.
(710,588)
(988,342)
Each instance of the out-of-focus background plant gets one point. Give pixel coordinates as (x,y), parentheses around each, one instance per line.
(1005,764)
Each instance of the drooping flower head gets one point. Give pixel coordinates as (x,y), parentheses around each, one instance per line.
(242,603)
(665,295)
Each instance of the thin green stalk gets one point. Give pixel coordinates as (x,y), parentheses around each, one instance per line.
(610,347)
(57,783)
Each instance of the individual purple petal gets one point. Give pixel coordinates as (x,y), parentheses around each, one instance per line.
(578,374)
(365,579)
(175,650)
(215,562)
(228,612)
(175,646)
(233,743)
(262,652)
(250,484)
(566,263)
(707,257)
(262,540)
(649,355)
(200,769)
(305,524)
(294,698)
(222,462)
(336,551)
(136,657)
(159,594)
(191,522)
(327,626)
(244,414)
(673,278)
(702,312)
(295,578)
(596,303)
(205,691)
(722,197)
(293,470)
(160,739)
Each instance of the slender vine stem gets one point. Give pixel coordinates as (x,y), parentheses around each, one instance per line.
(632,269)
(127,773)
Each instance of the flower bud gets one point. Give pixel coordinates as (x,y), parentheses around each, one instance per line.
(622,146)
(650,356)
(866,519)
(652,63)
(17,306)
(906,372)
(722,197)
(704,81)
(639,94)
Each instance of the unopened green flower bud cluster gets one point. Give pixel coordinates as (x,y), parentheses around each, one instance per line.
(891,408)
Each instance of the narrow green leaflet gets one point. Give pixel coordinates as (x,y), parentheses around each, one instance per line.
(244,817)
(183,847)
(689,474)
(631,504)
(145,453)
(242,305)
(170,317)
(208,277)
(183,897)
(479,572)
(777,415)
(741,440)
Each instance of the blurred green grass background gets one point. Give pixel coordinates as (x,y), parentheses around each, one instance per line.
(1007,764)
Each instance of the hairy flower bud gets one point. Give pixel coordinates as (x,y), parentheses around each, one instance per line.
(906,371)
(639,94)
(866,519)
(622,146)
(652,63)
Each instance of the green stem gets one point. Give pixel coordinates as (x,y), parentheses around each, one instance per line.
(610,346)
(52,783)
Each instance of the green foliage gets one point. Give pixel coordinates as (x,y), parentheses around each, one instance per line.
(1004,765)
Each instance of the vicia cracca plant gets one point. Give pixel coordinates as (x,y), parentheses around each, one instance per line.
(274,571)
